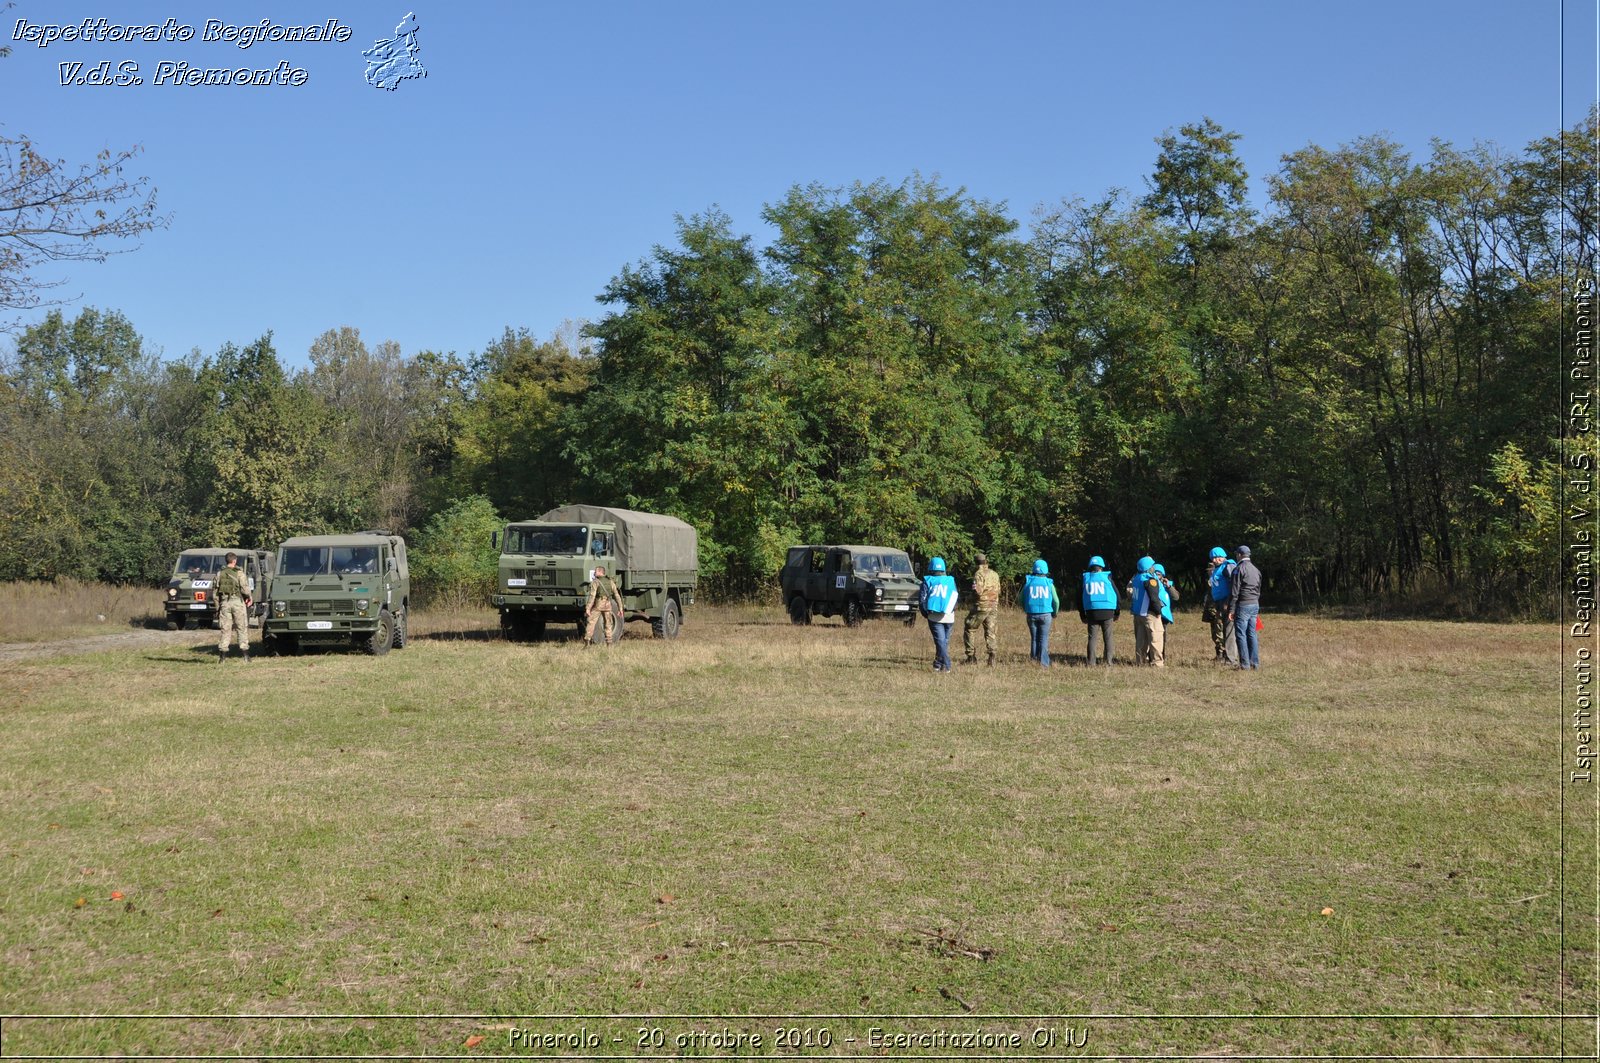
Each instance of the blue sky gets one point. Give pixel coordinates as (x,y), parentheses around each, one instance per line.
(552,143)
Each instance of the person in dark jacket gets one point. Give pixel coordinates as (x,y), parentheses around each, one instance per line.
(1244,606)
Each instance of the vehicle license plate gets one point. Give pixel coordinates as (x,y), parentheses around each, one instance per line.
(516,583)
(318,625)
(198,605)
(902,608)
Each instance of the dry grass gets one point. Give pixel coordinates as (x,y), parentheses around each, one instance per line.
(758,818)
(38,611)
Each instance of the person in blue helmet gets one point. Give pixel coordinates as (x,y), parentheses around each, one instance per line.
(1040,603)
(938,603)
(1098,608)
(1219,588)
(1168,597)
(1148,600)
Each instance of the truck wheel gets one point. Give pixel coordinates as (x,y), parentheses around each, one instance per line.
(377,644)
(799,611)
(172,623)
(284,646)
(911,618)
(671,620)
(400,621)
(852,613)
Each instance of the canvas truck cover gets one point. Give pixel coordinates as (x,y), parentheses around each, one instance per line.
(645,541)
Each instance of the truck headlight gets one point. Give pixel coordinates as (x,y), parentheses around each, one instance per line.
(361,606)
(878,592)
(172,592)
(279,608)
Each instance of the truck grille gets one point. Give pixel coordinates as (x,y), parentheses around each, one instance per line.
(323,607)
(536,577)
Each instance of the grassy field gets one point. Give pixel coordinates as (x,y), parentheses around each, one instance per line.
(36,611)
(761,819)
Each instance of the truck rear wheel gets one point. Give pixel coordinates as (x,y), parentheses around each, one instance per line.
(852,613)
(799,611)
(377,644)
(400,636)
(667,626)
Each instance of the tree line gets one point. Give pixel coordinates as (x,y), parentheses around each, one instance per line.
(1360,379)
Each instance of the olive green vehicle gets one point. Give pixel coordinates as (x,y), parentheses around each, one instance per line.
(340,590)
(853,582)
(546,566)
(191,593)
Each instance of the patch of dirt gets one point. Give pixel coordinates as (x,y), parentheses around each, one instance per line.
(122,640)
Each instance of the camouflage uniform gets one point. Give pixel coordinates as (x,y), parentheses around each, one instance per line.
(233,591)
(603,606)
(985,611)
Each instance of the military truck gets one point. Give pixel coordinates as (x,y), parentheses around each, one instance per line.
(546,566)
(853,582)
(340,590)
(191,590)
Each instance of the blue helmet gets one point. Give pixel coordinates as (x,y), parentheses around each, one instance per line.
(1159,569)
(1146,563)
(1040,568)
(1097,561)
(1217,552)
(936,565)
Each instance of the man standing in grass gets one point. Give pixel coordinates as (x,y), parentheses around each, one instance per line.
(1099,608)
(1244,606)
(603,606)
(1219,590)
(233,603)
(938,603)
(1146,597)
(985,607)
(1041,603)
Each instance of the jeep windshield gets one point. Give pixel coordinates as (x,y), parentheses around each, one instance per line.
(569,541)
(328,560)
(879,564)
(198,565)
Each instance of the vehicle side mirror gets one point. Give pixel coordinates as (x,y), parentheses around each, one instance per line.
(394,566)
(494,540)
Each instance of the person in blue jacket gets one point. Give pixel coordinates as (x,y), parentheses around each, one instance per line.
(1148,600)
(1040,603)
(1099,607)
(938,603)
(1219,587)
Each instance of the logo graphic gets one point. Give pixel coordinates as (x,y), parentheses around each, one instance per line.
(393,61)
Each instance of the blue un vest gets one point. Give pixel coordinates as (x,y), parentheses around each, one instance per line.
(1222,581)
(1036,594)
(1099,592)
(1141,599)
(941,591)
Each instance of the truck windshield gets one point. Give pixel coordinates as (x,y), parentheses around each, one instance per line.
(546,540)
(323,560)
(872,564)
(197,564)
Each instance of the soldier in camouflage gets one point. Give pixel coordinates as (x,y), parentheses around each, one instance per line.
(233,604)
(985,610)
(603,606)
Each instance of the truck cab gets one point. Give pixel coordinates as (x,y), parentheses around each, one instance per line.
(331,590)
(191,589)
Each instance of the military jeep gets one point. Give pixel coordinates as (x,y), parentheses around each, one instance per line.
(853,582)
(191,589)
(333,590)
